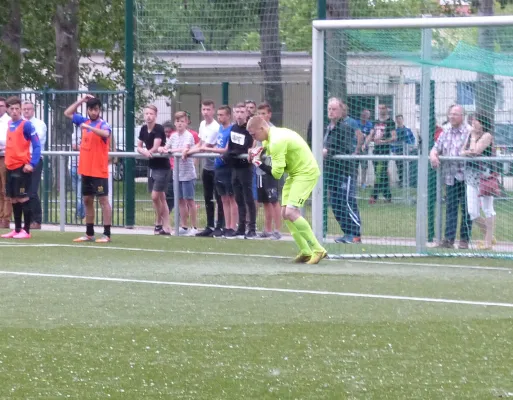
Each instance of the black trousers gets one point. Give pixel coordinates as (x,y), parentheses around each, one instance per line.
(242,182)
(209,192)
(457,198)
(35,201)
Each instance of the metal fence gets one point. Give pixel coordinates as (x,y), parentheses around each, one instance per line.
(62,135)
(387,228)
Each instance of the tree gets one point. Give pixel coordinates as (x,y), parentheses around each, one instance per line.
(10,45)
(65,23)
(271,57)
(336,46)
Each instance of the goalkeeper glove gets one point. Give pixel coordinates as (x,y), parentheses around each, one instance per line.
(255,156)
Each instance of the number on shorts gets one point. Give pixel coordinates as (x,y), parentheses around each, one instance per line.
(301,201)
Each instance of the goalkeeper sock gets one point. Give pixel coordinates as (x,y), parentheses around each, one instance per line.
(300,241)
(304,229)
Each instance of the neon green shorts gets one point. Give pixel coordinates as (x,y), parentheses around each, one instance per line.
(296,191)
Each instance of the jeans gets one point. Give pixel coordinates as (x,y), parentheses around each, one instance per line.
(342,195)
(76,185)
(35,201)
(242,181)
(456,196)
(209,193)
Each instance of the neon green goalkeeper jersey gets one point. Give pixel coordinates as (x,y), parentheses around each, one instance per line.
(290,153)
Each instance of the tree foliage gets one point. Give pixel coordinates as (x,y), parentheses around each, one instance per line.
(100,28)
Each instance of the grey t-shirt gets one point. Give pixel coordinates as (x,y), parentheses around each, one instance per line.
(187,170)
(208,134)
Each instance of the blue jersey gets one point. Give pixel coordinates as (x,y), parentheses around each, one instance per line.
(404,136)
(222,140)
(365,128)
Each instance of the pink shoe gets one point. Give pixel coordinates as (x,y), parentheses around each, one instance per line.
(10,235)
(22,235)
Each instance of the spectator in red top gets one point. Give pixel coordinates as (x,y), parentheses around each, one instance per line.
(195,134)
(438,131)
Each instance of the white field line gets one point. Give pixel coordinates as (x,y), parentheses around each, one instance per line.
(436,265)
(260,289)
(108,247)
(213,253)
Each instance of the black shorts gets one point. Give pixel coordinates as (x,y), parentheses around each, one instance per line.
(19,183)
(158,179)
(223,181)
(92,186)
(267,189)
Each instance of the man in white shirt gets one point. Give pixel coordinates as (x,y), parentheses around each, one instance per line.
(5,204)
(208,130)
(41,130)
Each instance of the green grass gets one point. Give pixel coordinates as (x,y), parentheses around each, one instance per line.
(62,337)
(395,220)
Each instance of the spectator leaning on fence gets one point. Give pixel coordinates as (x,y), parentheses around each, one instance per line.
(208,130)
(20,165)
(480,144)
(5,204)
(35,201)
(223,172)
(449,143)
(341,175)
(181,142)
(365,126)
(93,164)
(405,137)
(169,129)
(153,136)
(242,172)
(382,135)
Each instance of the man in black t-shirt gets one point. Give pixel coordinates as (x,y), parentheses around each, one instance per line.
(242,172)
(383,134)
(152,135)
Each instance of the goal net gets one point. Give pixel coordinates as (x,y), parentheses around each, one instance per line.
(392,94)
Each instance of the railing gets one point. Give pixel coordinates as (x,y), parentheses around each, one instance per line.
(375,217)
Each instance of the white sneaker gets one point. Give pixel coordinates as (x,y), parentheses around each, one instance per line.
(183,231)
(192,232)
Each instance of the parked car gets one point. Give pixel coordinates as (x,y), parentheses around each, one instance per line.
(141,164)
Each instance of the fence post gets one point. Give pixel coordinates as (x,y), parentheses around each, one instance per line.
(62,193)
(129,186)
(318,109)
(226,93)
(438,217)
(46,171)
(422,184)
(176,192)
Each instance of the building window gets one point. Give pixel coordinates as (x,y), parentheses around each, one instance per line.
(465,93)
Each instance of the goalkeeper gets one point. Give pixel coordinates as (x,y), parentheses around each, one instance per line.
(290,153)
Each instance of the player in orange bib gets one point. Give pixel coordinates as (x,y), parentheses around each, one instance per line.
(20,165)
(93,164)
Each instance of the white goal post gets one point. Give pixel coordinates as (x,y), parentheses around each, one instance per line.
(426,24)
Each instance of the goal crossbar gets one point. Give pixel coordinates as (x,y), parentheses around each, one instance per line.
(405,23)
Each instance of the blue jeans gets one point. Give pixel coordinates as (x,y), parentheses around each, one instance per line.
(76,185)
